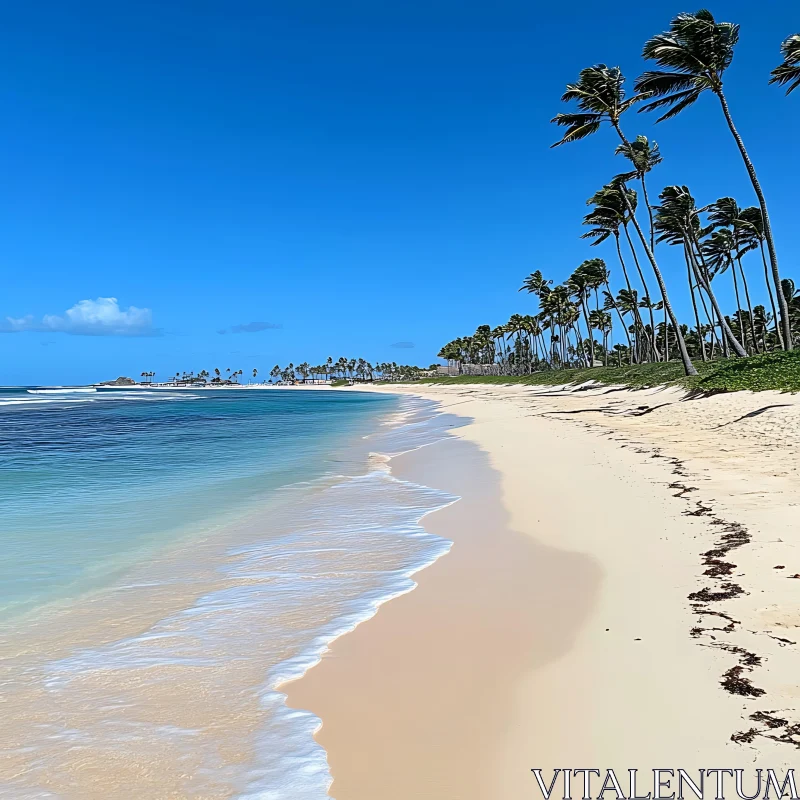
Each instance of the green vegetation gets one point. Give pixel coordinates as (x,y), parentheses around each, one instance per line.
(779,371)
(340,382)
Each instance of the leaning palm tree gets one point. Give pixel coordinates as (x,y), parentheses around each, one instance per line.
(579,284)
(720,250)
(600,95)
(688,367)
(789,71)
(726,214)
(601,321)
(609,303)
(696,51)
(535,283)
(627,301)
(678,214)
(751,223)
(643,155)
(610,213)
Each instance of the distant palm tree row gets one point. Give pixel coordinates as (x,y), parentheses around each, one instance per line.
(353,369)
(577,319)
(204,376)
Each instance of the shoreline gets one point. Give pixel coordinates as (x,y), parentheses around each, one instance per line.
(658,672)
(446,696)
(120,662)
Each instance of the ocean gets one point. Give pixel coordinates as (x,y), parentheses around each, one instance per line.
(171,558)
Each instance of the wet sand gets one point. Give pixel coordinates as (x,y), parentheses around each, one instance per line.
(421,688)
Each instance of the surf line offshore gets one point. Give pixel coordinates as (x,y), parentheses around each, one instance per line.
(668,784)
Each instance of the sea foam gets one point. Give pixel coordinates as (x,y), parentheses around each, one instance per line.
(336,549)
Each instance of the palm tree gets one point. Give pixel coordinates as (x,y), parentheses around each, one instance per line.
(792,295)
(789,71)
(671,231)
(696,52)
(627,301)
(751,223)
(601,321)
(535,283)
(719,250)
(726,213)
(688,367)
(643,155)
(678,215)
(579,285)
(609,214)
(600,96)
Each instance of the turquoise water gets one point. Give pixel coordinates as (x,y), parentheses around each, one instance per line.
(311,533)
(91,480)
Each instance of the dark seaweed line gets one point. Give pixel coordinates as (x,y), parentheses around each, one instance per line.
(733,536)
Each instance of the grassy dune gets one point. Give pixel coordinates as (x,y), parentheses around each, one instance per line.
(779,371)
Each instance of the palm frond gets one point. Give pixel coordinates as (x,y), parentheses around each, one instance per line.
(579,126)
(695,52)
(624,177)
(656,83)
(789,71)
(598,234)
(643,154)
(680,106)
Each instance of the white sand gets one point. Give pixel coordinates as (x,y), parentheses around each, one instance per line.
(623,669)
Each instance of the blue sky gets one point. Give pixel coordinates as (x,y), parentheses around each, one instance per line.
(317,178)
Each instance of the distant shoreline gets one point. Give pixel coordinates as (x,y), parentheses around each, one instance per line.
(204,387)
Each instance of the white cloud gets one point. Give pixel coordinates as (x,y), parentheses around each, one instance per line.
(101,317)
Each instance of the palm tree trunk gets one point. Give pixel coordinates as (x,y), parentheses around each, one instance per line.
(578,340)
(630,289)
(702,270)
(738,302)
(619,313)
(713,328)
(694,306)
(725,329)
(688,367)
(771,298)
(749,306)
(651,342)
(589,329)
(654,345)
(649,213)
(666,335)
(773,256)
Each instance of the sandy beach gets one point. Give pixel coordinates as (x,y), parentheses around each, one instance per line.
(623,591)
